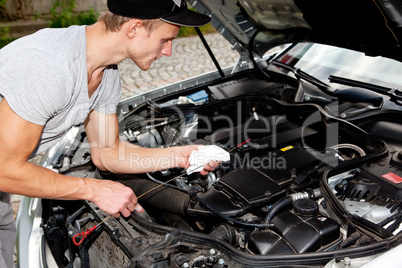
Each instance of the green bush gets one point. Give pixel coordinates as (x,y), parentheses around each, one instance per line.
(4,35)
(87,18)
(3,13)
(62,15)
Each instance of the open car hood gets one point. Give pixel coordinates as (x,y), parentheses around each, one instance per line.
(369,26)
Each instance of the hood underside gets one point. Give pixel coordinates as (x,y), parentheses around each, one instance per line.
(369,26)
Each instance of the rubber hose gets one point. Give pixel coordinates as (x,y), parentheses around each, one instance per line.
(162,197)
(277,207)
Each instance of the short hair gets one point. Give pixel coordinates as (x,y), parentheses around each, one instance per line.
(114,22)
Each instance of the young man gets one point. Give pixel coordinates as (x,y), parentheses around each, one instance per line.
(58,78)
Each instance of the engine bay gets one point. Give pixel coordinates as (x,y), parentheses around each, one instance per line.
(300,181)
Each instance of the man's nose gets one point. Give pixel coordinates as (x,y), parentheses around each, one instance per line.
(167,49)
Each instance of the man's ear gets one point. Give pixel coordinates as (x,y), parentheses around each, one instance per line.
(133,26)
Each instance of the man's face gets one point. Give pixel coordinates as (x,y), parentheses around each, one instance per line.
(149,48)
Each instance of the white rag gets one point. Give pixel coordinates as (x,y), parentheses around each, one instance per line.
(204,155)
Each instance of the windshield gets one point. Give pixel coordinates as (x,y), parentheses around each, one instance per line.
(321,61)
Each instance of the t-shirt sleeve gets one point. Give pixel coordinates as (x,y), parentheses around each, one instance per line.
(110,91)
(32,84)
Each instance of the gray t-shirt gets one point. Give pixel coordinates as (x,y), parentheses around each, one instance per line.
(43,77)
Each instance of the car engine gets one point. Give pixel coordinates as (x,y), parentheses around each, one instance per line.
(301,181)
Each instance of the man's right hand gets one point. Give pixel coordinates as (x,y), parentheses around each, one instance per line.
(112,197)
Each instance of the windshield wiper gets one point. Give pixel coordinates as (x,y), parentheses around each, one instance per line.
(394,93)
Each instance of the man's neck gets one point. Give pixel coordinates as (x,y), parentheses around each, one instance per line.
(103,48)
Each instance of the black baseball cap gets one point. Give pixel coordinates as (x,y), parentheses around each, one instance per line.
(171,11)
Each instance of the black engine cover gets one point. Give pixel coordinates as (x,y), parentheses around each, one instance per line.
(260,182)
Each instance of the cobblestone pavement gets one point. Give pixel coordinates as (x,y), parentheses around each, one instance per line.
(189,58)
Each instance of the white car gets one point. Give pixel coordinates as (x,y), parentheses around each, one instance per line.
(313,136)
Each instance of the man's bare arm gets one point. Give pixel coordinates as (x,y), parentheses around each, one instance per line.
(109,153)
(18,139)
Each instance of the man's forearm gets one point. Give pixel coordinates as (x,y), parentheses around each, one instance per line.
(128,158)
(35,181)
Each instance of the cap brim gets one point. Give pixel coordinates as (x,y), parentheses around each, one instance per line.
(188,18)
